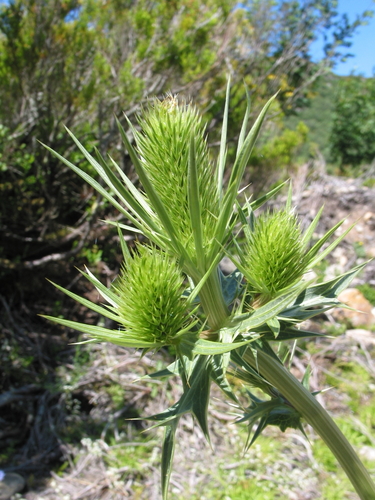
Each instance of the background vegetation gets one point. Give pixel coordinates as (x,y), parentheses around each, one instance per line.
(80,63)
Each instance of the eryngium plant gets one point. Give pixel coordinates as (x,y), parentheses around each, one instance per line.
(173,292)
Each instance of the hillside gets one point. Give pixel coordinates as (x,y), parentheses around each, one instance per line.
(318,114)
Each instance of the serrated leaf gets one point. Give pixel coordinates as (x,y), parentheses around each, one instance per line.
(210,348)
(167,455)
(258,410)
(194,399)
(274,326)
(268,311)
(231,286)
(274,412)
(185,404)
(172,369)
(218,375)
(201,400)
(245,372)
(321,297)
(288,332)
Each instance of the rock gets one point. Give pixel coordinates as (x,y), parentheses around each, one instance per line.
(227,266)
(10,484)
(363,314)
(367,452)
(361,336)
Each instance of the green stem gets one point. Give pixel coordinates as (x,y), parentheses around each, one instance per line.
(318,418)
(213,302)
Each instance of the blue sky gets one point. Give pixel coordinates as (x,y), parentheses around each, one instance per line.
(363,42)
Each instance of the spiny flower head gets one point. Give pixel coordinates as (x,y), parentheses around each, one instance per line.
(150,304)
(274,257)
(163,143)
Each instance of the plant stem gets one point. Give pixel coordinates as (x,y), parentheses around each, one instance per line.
(318,418)
(213,302)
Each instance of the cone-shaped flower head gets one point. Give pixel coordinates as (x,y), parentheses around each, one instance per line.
(150,305)
(274,256)
(164,144)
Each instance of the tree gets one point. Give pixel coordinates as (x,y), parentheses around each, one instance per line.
(274,45)
(272,54)
(46,80)
(80,64)
(353,133)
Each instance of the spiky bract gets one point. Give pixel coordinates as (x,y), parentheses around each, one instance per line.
(167,129)
(150,304)
(274,256)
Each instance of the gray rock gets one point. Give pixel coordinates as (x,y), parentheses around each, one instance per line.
(227,266)
(10,484)
(361,335)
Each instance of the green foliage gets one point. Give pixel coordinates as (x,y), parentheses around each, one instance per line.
(359,249)
(345,376)
(117,394)
(128,455)
(77,64)
(37,196)
(279,57)
(282,150)
(318,114)
(92,255)
(368,291)
(370,183)
(13,159)
(353,133)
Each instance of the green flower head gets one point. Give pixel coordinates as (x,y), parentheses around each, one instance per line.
(274,257)
(167,128)
(150,303)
